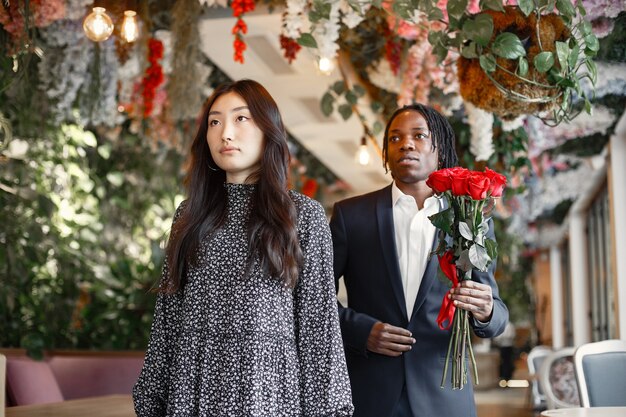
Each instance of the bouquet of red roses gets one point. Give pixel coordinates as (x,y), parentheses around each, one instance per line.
(469,194)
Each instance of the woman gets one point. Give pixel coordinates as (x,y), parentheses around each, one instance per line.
(246,319)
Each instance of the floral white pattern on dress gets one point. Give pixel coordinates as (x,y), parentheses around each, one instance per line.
(230,345)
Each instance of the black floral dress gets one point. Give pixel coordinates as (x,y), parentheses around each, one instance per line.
(230,345)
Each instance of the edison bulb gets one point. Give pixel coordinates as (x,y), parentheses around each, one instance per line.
(130,28)
(326,65)
(363,155)
(98,26)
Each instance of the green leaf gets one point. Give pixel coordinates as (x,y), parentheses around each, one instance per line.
(307,40)
(377,128)
(522,66)
(526,6)
(566,9)
(345,110)
(543,61)
(478,257)
(376,106)
(586,28)
(441,52)
(115,178)
(487,62)
(478,29)
(326,104)
(491,4)
(492,248)
(434,14)
(443,220)
(463,262)
(508,45)
(593,70)
(591,42)
(358,90)
(456,8)
(104,151)
(562,53)
(403,9)
(572,59)
(588,108)
(339,87)
(465,231)
(323,8)
(469,51)
(351,97)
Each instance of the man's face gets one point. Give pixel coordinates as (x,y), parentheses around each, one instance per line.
(411,156)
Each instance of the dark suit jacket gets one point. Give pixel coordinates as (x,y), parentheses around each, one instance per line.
(365,255)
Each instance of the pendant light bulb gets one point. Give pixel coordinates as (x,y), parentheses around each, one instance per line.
(130,28)
(98,26)
(363,155)
(325,65)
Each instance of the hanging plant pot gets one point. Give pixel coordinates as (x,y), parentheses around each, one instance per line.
(507,80)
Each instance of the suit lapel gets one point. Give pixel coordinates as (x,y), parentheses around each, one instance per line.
(430,273)
(384,213)
(429,277)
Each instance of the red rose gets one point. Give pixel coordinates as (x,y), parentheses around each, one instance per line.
(459,177)
(477,185)
(497,182)
(439,181)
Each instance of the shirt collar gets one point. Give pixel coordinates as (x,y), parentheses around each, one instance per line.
(430,202)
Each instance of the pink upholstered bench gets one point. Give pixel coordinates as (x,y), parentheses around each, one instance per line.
(66,375)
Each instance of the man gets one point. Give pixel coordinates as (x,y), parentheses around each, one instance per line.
(395,350)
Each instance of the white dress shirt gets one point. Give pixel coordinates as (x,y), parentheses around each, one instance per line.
(414,235)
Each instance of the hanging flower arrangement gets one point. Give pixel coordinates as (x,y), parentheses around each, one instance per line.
(153,77)
(532,58)
(239,8)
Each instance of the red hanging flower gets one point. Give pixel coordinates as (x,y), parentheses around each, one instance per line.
(239,8)
(291,47)
(153,77)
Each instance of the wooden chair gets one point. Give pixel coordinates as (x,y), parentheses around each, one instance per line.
(601,373)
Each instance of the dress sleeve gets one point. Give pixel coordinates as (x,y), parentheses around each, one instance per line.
(150,392)
(324,383)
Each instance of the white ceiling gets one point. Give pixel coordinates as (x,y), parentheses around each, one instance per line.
(298,89)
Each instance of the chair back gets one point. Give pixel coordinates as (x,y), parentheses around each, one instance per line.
(557,379)
(601,373)
(3,376)
(535,358)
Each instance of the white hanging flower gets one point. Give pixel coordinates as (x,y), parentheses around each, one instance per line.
(481,128)
(294,18)
(327,33)
(546,137)
(351,17)
(382,76)
(611,79)
(417,17)
(212,3)
(510,125)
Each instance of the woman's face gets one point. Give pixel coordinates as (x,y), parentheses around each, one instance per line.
(235,141)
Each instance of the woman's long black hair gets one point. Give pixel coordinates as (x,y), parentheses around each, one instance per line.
(272,230)
(441,134)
